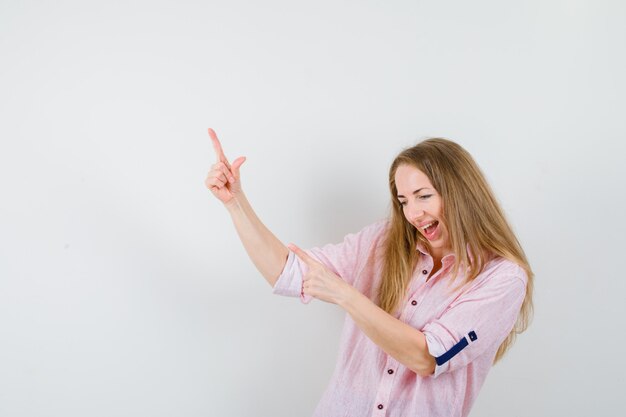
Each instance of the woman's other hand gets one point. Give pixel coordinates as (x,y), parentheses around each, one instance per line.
(320,282)
(223,179)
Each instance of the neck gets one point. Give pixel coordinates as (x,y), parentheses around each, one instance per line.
(439,253)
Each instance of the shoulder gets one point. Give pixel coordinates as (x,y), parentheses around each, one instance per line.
(372,231)
(361,240)
(501,274)
(503,267)
(381,224)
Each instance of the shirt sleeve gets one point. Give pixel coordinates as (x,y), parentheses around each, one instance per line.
(342,258)
(289,282)
(477,322)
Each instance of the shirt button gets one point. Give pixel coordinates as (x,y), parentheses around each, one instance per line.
(390,371)
(380,406)
(424,272)
(414,303)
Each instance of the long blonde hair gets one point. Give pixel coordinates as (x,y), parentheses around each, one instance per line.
(474,220)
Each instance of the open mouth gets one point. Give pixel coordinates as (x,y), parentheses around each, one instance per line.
(430,230)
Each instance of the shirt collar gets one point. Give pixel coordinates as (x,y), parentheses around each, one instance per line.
(447,258)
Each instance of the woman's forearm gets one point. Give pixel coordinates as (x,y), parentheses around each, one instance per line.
(267,252)
(399,340)
(404,343)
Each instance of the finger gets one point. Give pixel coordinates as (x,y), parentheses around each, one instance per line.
(219,172)
(221,167)
(236,164)
(220,178)
(217,147)
(302,255)
(214,182)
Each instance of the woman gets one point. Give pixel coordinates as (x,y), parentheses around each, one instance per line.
(435,295)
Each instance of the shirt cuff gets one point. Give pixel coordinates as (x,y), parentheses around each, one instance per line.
(289,282)
(436,349)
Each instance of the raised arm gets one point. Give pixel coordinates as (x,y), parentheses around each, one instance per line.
(267,252)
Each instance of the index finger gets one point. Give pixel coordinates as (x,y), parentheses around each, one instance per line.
(217,146)
(302,255)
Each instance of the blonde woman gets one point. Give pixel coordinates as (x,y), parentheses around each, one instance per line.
(435,294)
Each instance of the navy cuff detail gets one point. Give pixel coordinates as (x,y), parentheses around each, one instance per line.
(463,343)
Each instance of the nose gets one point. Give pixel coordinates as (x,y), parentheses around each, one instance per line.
(414,213)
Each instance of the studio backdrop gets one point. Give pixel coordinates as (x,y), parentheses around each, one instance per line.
(124,290)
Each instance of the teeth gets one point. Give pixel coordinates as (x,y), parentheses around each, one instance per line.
(427,226)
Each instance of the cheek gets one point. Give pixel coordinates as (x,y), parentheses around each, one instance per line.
(446,236)
(440,208)
(405,214)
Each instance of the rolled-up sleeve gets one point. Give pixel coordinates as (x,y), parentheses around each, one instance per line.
(289,282)
(342,259)
(477,322)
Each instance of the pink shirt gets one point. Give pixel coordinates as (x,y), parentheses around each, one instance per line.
(463,327)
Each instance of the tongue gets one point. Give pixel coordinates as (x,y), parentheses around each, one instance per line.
(432,228)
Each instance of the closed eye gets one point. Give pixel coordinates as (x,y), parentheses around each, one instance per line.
(425,196)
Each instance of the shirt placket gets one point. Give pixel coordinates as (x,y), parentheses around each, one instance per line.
(381,403)
(418,292)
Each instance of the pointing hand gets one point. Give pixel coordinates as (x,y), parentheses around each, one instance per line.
(223,179)
(319,281)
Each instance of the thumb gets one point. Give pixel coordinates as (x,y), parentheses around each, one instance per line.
(236,164)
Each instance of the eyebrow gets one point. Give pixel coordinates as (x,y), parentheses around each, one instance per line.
(414,192)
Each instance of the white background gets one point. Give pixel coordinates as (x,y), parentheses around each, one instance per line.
(124,290)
